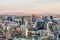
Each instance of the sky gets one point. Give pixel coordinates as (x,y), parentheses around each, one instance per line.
(30,6)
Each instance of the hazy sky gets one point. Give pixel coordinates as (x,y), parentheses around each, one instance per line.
(30,6)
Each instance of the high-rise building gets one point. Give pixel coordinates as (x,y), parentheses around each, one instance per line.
(51,17)
(48,29)
(40,25)
(24,32)
(9,18)
(23,17)
(45,19)
(33,18)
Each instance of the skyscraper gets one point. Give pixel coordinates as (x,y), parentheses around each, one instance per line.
(33,18)
(23,19)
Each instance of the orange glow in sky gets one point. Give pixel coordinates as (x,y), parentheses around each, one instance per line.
(30,6)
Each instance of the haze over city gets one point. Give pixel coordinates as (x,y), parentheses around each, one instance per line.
(30,6)
(29,19)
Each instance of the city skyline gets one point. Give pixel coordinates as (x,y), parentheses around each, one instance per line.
(30,6)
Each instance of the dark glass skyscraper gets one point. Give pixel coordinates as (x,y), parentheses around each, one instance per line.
(40,25)
(23,19)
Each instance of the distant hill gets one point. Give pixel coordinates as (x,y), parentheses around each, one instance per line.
(28,14)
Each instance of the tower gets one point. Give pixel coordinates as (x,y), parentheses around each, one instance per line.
(33,18)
